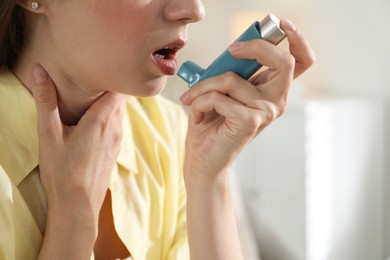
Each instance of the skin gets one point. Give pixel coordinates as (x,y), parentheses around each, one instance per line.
(114,43)
(76,83)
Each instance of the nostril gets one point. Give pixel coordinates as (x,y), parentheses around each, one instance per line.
(189,11)
(198,11)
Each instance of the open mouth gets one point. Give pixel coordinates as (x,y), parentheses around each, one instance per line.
(165,53)
(165,58)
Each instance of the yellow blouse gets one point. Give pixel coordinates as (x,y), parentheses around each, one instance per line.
(147,188)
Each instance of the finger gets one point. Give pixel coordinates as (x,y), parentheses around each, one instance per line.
(227,84)
(264,53)
(106,106)
(299,47)
(45,96)
(213,101)
(239,118)
(280,65)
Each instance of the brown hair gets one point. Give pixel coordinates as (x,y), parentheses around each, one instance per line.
(12,32)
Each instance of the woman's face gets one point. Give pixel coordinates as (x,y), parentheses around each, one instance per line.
(125,46)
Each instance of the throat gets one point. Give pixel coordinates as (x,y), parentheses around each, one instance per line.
(72,110)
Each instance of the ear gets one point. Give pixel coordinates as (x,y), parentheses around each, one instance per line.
(34,6)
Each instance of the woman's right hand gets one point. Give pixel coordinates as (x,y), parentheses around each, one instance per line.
(75,162)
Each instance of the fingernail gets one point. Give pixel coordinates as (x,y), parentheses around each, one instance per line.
(39,75)
(236,46)
(184,98)
(289,25)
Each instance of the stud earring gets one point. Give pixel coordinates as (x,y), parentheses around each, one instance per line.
(35,5)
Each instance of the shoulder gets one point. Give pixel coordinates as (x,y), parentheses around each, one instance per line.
(7,78)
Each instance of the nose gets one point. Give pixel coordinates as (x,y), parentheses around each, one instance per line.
(186,11)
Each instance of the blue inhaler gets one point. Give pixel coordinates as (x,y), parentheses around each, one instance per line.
(268,29)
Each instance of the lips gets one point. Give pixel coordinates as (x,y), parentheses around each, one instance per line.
(165,57)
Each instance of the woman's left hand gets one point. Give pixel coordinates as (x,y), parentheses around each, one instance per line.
(227,112)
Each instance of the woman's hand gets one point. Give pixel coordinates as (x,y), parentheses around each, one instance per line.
(75,163)
(227,112)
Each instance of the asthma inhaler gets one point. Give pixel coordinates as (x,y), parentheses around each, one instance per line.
(267,29)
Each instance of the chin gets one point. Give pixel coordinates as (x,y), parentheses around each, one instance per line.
(156,86)
(147,89)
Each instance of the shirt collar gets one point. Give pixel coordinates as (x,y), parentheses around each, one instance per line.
(127,154)
(18,132)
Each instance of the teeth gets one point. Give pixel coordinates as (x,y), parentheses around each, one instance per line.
(159,56)
(163,52)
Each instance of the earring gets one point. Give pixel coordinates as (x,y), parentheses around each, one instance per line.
(35,5)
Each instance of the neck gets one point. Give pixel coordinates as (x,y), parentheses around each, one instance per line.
(73,96)
(73,100)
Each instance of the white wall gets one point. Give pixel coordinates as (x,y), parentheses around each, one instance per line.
(345,179)
(271,172)
(315,182)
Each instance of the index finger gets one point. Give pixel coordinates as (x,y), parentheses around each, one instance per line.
(105,107)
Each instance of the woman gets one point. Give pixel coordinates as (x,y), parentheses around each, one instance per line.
(92,173)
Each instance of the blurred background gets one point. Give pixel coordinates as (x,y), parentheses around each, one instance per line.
(315,185)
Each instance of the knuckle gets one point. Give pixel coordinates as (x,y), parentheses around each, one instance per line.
(288,61)
(101,120)
(282,108)
(102,127)
(110,126)
(196,105)
(270,113)
(230,79)
(45,98)
(118,135)
(214,96)
(310,60)
(253,123)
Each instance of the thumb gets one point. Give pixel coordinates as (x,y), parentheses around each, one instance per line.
(45,96)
